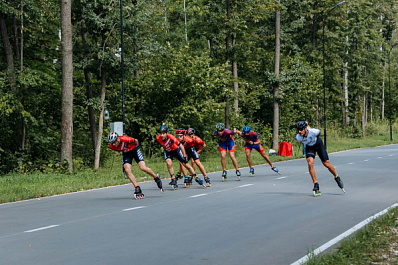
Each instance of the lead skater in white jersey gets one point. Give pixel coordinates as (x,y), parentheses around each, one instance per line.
(314,145)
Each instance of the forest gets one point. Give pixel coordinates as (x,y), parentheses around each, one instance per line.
(187,63)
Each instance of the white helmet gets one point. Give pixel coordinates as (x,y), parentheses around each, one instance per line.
(112,137)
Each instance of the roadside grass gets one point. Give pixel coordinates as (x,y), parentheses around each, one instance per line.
(15,186)
(376,243)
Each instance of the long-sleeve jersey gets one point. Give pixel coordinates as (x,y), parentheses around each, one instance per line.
(170,144)
(127,144)
(188,142)
(226,136)
(251,137)
(198,142)
(311,137)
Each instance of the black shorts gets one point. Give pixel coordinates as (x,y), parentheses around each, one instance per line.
(135,153)
(191,153)
(319,148)
(175,153)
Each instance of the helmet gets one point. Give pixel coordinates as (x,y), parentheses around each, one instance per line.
(112,137)
(246,129)
(220,126)
(164,128)
(181,131)
(191,131)
(301,125)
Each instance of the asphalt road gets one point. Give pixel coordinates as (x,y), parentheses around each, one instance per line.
(266,219)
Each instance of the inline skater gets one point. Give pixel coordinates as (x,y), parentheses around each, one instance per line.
(131,150)
(188,144)
(226,142)
(314,145)
(199,144)
(253,142)
(173,148)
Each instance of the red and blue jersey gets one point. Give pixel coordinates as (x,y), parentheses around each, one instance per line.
(225,137)
(251,137)
(188,142)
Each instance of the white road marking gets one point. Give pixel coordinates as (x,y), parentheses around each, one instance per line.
(41,228)
(135,208)
(281,178)
(247,185)
(342,236)
(199,195)
(390,155)
(380,157)
(366,160)
(351,163)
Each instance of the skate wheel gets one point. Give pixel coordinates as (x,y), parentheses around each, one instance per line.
(317,193)
(343,190)
(162,190)
(204,185)
(208,184)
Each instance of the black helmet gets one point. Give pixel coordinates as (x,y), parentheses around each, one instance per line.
(301,125)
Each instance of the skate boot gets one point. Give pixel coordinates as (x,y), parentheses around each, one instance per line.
(138,193)
(174,184)
(207,180)
(159,182)
(276,170)
(178,175)
(199,181)
(238,174)
(190,179)
(316,190)
(339,183)
(224,175)
(252,172)
(186,182)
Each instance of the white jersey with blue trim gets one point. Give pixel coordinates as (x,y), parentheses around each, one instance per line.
(311,137)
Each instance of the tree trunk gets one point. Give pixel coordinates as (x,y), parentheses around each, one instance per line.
(236,85)
(8,51)
(314,27)
(347,116)
(67,84)
(227,58)
(87,76)
(382,91)
(275,131)
(101,115)
(100,119)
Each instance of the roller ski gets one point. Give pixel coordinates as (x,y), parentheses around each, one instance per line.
(174,184)
(316,190)
(200,182)
(276,170)
(159,183)
(238,174)
(187,181)
(224,175)
(138,193)
(252,172)
(339,183)
(207,180)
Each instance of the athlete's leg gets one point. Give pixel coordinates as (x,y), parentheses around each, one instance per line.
(234,161)
(266,158)
(182,169)
(146,169)
(248,157)
(201,167)
(169,164)
(193,164)
(127,169)
(223,160)
(311,169)
(330,167)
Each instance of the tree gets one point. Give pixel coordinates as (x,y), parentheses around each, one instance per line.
(67,84)
(275,127)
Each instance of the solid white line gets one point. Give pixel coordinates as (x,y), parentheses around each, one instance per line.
(247,185)
(366,160)
(342,236)
(135,208)
(350,163)
(199,195)
(41,228)
(380,157)
(281,178)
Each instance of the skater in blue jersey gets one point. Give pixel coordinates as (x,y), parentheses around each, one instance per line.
(314,145)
